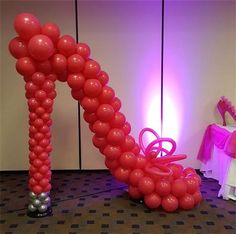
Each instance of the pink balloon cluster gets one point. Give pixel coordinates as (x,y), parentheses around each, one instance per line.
(44,57)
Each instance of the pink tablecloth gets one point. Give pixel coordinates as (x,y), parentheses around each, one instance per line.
(219,137)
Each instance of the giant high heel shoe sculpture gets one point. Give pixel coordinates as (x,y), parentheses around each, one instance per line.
(43,56)
(223,106)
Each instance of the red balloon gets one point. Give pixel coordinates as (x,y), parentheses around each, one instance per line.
(92,88)
(78,95)
(136,149)
(101,129)
(186,202)
(32,142)
(38,123)
(27,25)
(45,117)
(197,196)
(43,169)
(38,136)
(163,187)
(38,149)
(44,66)
(44,129)
(178,188)
(40,111)
(107,94)
(18,48)
(128,144)
(189,170)
(169,203)
(59,63)
(43,156)
(31,88)
(196,177)
(52,94)
(90,117)
(118,120)
(134,192)
(38,78)
(111,164)
(40,95)
(135,176)
(121,174)
(115,136)
(126,128)
(112,152)
(62,77)
(75,63)
(52,77)
(48,86)
(90,105)
(37,163)
(176,169)
(99,142)
(76,81)
(33,104)
(192,185)
(44,142)
(83,50)
(52,31)
(152,200)
(103,77)
(141,162)
(66,45)
(116,104)
(37,189)
(127,160)
(32,116)
(44,182)
(146,185)
(91,69)
(32,181)
(32,156)
(105,112)
(40,47)
(47,103)
(25,66)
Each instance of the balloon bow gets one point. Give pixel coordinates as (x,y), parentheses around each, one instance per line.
(158,157)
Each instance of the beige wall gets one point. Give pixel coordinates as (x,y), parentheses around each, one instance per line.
(14,113)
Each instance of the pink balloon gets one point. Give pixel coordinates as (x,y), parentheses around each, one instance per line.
(52,31)
(18,48)
(41,47)
(27,25)
(66,45)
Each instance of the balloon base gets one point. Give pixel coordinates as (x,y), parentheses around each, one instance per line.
(37,214)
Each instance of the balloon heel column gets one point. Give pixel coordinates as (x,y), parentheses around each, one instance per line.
(33,64)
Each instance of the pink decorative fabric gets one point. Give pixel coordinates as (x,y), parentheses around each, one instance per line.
(220,137)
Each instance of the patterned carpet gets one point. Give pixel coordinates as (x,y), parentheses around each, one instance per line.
(93,202)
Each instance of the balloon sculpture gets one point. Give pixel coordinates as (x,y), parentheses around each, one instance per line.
(43,56)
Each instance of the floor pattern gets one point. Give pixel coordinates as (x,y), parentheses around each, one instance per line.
(94,202)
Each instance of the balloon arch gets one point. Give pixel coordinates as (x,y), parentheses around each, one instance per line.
(43,56)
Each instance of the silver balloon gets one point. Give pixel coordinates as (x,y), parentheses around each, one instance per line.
(36,202)
(42,196)
(42,208)
(47,200)
(32,208)
(32,195)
